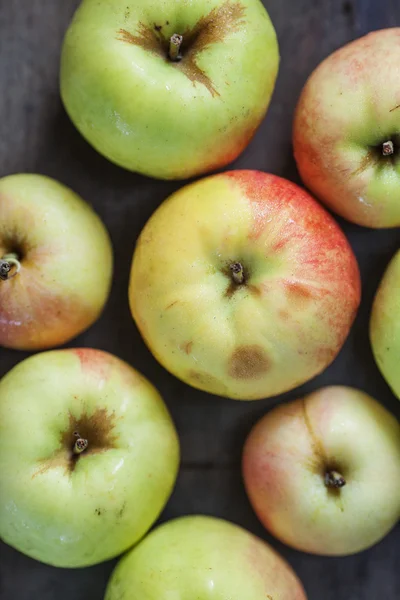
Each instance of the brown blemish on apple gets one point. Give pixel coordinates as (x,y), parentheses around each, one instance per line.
(321,464)
(210,29)
(97,428)
(316,443)
(298,291)
(257,291)
(187,347)
(121,511)
(248,362)
(172,304)
(394,108)
(369,159)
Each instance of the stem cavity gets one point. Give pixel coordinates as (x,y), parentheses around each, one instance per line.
(175,44)
(237,272)
(334,480)
(388,148)
(80,445)
(9,267)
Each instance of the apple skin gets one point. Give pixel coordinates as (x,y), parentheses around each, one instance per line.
(203,557)
(291,448)
(385,325)
(348,108)
(169,120)
(77,512)
(66,263)
(289,320)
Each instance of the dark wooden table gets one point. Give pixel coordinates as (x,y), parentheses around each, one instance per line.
(36,136)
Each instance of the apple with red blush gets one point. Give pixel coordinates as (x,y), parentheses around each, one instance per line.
(88,457)
(169,89)
(55,263)
(203,557)
(347,130)
(323,472)
(242,285)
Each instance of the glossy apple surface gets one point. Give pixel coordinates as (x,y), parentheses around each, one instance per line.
(265,329)
(72,509)
(385,325)
(66,263)
(347,130)
(203,558)
(323,472)
(164,118)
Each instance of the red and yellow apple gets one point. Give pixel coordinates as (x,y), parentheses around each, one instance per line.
(88,457)
(347,130)
(385,325)
(242,285)
(55,263)
(323,472)
(203,557)
(169,89)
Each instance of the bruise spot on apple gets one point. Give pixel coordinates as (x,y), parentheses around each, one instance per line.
(298,292)
(249,362)
(210,29)
(97,428)
(254,289)
(187,347)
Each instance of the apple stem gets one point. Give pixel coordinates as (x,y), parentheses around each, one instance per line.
(388,148)
(80,446)
(237,273)
(6,263)
(333,479)
(175,44)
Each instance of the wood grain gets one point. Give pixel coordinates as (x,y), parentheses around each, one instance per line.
(36,136)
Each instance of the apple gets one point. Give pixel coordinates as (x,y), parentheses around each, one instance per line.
(323,472)
(385,325)
(243,286)
(55,263)
(203,557)
(165,88)
(347,131)
(88,457)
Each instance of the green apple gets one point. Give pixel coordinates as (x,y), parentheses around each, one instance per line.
(242,285)
(169,88)
(55,263)
(323,472)
(203,558)
(347,130)
(88,457)
(385,325)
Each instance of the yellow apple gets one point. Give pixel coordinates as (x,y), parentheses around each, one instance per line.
(242,285)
